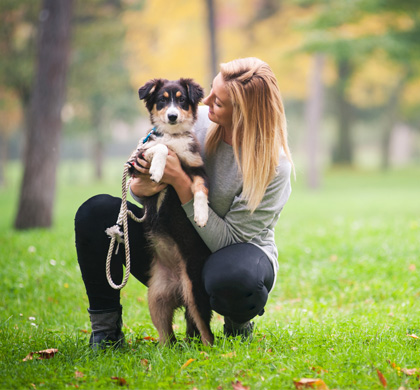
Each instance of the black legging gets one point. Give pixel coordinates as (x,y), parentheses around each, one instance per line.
(237,277)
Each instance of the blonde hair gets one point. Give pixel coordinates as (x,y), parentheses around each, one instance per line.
(259,129)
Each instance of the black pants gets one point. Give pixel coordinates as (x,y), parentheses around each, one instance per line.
(237,277)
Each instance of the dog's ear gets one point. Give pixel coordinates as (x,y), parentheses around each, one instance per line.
(195,92)
(148,91)
(148,88)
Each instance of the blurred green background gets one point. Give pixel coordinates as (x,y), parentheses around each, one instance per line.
(349,73)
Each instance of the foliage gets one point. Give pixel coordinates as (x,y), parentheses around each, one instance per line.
(18,25)
(99,89)
(381,40)
(345,304)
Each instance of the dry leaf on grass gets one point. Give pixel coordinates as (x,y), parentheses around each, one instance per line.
(382,378)
(229,354)
(187,363)
(149,338)
(411,371)
(413,336)
(120,381)
(310,383)
(239,386)
(318,369)
(44,354)
(79,374)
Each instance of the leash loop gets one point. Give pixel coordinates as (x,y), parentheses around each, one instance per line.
(115,232)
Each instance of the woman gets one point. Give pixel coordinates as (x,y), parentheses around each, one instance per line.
(247,158)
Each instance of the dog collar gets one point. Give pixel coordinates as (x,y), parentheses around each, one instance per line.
(153,131)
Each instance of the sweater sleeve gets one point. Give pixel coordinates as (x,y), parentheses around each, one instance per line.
(239,225)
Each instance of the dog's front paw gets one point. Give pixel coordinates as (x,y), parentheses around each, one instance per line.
(156,174)
(201,209)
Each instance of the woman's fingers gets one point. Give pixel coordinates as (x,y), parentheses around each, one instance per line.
(141,166)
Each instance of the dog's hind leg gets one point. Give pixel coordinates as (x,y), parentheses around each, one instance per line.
(203,325)
(163,302)
(192,330)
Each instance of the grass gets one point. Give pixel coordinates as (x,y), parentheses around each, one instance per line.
(346,297)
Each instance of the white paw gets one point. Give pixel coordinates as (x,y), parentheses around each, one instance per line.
(156,173)
(201,209)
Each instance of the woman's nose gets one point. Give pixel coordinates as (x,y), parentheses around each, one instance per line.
(207,99)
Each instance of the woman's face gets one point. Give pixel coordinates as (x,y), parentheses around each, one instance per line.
(220,105)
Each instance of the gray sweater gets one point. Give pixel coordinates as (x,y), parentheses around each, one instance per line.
(230,221)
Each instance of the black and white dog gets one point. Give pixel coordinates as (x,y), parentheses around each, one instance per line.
(178,251)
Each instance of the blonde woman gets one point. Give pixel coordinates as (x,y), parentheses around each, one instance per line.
(243,132)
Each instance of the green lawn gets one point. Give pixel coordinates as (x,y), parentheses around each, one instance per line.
(346,298)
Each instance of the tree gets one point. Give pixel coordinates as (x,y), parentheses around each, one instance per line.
(214,66)
(37,191)
(99,89)
(354,34)
(10,114)
(313,118)
(17,43)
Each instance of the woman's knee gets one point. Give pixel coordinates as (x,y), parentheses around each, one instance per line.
(95,209)
(237,281)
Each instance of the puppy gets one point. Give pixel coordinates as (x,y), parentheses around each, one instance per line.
(178,251)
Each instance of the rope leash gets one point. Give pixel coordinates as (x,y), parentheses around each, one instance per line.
(115,231)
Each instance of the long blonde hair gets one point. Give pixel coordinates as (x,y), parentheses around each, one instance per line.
(259,125)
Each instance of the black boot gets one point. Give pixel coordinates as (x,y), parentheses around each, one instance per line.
(244,329)
(106,328)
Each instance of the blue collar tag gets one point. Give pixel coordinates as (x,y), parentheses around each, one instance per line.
(148,135)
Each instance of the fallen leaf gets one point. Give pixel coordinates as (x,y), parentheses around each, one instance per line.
(318,369)
(187,363)
(84,331)
(149,338)
(44,354)
(144,362)
(229,355)
(382,378)
(309,383)
(79,374)
(411,371)
(413,336)
(239,386)
(393,365)
(120,381)
(412,267)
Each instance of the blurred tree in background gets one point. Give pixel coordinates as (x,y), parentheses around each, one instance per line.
(375,46)
(18,23)
(99,87)
(43,130)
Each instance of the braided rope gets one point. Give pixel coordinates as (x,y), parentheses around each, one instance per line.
(122,220)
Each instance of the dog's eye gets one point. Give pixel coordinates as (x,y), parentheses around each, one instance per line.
(182,99)
(162,99)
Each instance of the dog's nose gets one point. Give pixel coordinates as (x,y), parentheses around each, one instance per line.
(172,117)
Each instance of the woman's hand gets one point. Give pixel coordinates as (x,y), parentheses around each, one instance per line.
(141,185)
(175,176)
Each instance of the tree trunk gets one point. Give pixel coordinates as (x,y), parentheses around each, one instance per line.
(343,152)
(214,65)
(313,118)
(44,117)
(3,158)
(98,157)
(391,118)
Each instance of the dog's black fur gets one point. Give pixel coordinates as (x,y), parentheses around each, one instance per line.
(179,252)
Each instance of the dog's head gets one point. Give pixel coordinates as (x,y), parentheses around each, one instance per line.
(172,104)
